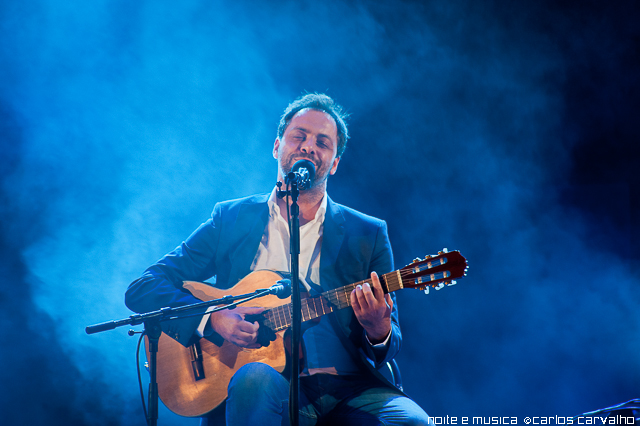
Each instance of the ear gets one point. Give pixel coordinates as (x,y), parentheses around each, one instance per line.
(334,166)
(276,145)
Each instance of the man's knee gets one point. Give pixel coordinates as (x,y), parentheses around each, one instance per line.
(253,377)
(416,416)
(404,411)
(256,395)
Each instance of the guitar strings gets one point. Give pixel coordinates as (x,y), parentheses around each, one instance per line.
(279,318)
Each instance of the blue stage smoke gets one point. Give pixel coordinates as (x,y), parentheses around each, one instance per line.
(122,123)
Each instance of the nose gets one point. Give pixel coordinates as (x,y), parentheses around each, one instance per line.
(308,146)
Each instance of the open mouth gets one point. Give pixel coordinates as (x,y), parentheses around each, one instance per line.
(296,159)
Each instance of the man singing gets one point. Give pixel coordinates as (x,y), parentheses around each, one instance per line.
(340,383)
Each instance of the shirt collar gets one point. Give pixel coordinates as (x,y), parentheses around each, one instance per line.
(274,209)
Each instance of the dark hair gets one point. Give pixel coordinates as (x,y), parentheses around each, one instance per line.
(320,102)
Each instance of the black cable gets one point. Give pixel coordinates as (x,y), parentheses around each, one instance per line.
(629,405)
(144,406)
(288,218)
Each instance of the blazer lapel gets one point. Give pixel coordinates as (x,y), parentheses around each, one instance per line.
(332,238)
(253,217)
(343,321)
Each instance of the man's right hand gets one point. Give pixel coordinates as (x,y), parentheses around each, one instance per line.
(230,324)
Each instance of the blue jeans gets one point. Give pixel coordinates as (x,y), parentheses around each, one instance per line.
(259,395)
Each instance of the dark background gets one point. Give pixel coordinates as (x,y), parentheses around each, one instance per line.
(505,130)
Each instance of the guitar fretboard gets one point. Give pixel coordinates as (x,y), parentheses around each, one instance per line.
(279,318)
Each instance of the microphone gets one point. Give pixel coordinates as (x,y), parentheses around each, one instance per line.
(281,288)
(302,174)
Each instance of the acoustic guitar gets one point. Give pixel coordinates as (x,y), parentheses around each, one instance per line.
(193,380)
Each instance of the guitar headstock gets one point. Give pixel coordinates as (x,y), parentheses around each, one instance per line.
(434,271)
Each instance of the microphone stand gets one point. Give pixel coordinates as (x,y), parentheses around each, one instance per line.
(296,304)
(153,330)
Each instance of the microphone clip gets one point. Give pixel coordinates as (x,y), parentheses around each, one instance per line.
(279,192)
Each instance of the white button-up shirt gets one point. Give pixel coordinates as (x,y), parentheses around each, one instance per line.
(273,252)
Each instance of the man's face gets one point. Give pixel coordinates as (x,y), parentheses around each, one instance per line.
(313,135)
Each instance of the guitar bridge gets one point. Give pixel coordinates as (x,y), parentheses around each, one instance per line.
(195,351)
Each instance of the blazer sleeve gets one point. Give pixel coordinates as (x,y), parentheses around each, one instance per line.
(382,263)
(161,284)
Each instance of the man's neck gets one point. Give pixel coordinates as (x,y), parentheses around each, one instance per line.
(309,202)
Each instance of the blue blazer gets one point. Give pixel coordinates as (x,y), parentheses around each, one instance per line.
(353,245)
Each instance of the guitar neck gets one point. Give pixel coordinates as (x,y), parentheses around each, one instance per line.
(433,271)
(279,318)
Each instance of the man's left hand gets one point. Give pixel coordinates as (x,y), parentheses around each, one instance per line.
(373,309)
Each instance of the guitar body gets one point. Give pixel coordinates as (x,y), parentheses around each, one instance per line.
(177,385)
(192,381)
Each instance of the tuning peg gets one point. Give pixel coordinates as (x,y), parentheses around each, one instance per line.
(439,286)
(452,282)
(416,260)
(424,288)
(443,251)
(428,257)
